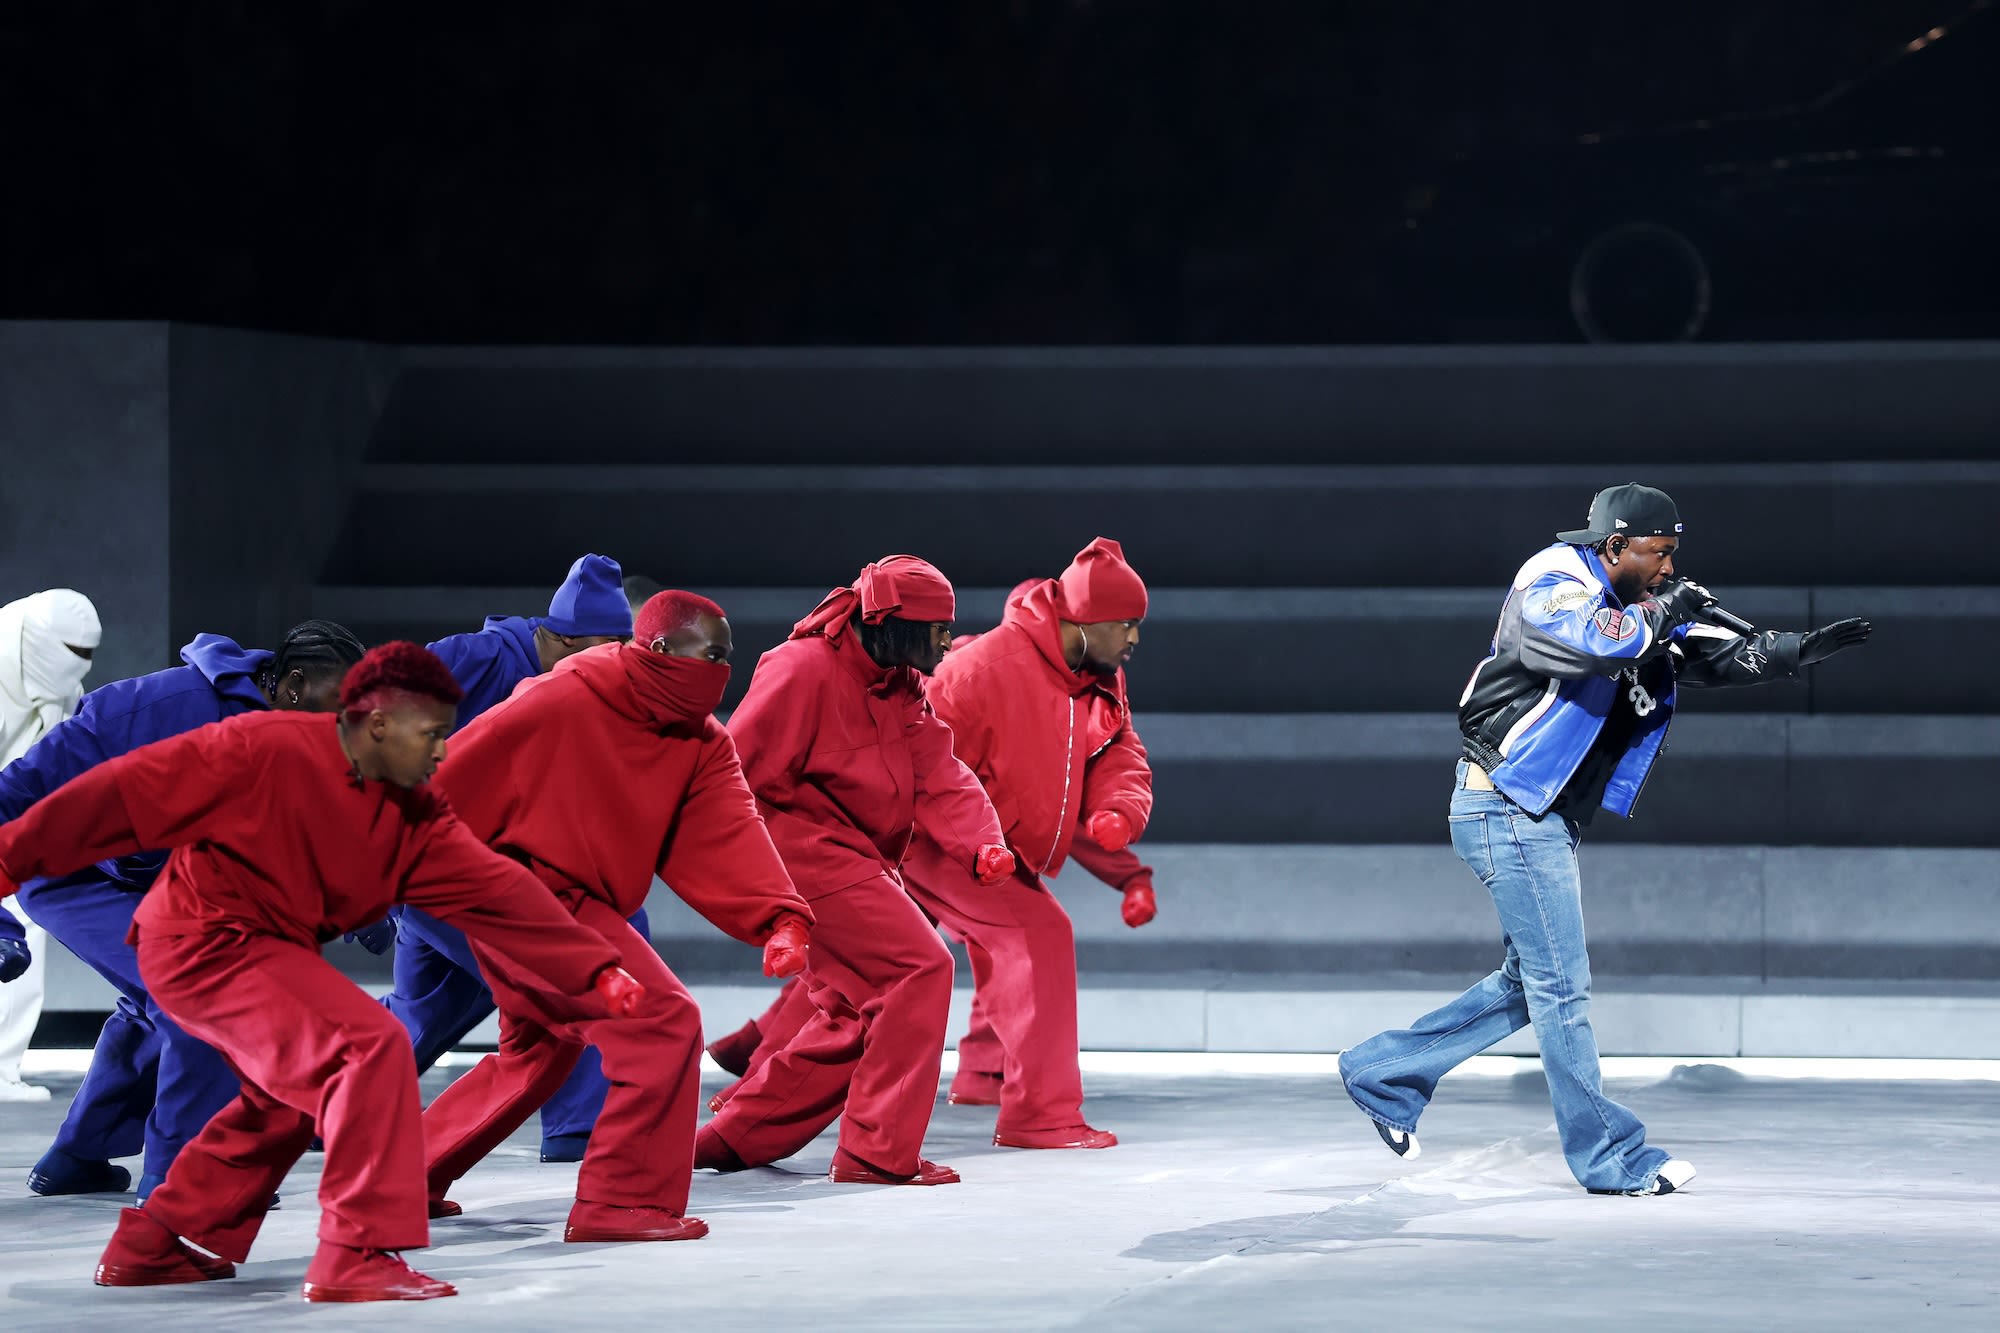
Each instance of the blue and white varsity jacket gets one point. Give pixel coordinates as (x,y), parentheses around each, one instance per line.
(1564,649)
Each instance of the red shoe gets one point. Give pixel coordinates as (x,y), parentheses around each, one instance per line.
(604,1221)
(1075,1136)
(445,1208)
(712,1154)
(972,1088)
(340,1273)
(733,1052)
(144,1253)
(851,1170)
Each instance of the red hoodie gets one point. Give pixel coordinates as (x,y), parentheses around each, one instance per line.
(842,754)
(274,834)
(609,770)
(1052,746)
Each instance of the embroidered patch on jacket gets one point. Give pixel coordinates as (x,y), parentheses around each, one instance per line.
(1615,625)
(1559,602)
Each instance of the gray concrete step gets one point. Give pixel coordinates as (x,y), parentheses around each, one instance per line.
(1295,650)
(1214,526)
(1255,404)
(1741,779)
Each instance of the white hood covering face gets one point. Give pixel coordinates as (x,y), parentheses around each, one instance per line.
(41,680)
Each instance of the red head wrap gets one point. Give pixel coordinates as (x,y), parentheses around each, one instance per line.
(895,585)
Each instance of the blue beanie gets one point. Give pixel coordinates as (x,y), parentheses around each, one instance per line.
(591,601)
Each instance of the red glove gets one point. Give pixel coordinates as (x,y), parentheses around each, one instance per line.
(1109,830)
(621,992)
(993,864)
(1139,905)
(785,951)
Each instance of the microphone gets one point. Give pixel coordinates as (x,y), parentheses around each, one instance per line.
(1712,613)
(1736,624)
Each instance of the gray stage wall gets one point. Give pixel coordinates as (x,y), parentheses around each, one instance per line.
(185,478)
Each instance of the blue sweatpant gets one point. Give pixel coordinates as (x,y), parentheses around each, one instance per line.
(150,1085)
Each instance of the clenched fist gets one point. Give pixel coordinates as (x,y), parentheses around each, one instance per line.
(993,864)
(785,951)
(1139,906)
(1109,830)
(621,992)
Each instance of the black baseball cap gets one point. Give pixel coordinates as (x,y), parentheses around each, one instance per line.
(1627,511)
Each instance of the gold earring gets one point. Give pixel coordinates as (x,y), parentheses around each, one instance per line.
(295,696)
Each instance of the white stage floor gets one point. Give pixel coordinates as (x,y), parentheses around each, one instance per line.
(1235,1201)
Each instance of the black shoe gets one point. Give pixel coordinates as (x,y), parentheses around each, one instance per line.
(60,1173)
(1401,1142)
(1674,1175)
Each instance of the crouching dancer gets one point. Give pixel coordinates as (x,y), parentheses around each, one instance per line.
(286,830)
(598,775)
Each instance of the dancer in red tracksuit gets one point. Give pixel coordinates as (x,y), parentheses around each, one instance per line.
(845,759)
(981,1057)
(1038,711)
(598,775)
(288,830)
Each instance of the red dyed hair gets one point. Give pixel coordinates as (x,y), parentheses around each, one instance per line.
(397,668)
(665,612)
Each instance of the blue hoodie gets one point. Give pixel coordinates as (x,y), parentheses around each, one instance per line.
(218,681)
(490,662)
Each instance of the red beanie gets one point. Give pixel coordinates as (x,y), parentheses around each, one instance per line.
(673,609)
(1099,586)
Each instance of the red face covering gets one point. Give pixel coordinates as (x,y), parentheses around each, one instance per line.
(675,689)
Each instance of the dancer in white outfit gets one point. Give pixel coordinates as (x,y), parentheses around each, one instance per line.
(46,642)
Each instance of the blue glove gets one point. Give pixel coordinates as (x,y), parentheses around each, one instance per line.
(14,958)
(376,939)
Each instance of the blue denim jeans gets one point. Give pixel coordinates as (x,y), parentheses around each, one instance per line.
(1529,866)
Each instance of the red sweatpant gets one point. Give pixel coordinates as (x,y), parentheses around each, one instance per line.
(880,981)
(980,1050)
(776,1027)
(310,1048)
(641,1154)
(1020,938)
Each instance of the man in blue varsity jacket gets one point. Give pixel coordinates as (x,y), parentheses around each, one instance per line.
(1568,713)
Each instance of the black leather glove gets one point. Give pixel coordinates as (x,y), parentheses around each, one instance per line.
(377,938)
(1824,643)
(1682,600)
(14,958)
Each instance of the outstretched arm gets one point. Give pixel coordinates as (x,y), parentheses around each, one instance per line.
(951,805)
(501,905)
(719,857)
(185,789)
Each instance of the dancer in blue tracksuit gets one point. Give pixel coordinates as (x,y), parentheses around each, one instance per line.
(149,1086)
(439,994)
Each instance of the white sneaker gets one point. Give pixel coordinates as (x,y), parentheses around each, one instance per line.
(14,1090)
